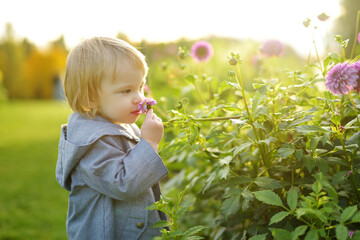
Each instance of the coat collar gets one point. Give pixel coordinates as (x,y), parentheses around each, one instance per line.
(84,131)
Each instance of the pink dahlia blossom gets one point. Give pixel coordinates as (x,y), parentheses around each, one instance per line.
(146,104)
(356,66)
(272,47)
(202,51)
(341,79)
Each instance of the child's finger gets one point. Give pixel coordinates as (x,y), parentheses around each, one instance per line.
(149,114)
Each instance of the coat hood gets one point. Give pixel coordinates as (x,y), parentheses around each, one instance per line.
(76,139)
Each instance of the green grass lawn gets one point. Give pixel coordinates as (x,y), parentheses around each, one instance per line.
(32,204)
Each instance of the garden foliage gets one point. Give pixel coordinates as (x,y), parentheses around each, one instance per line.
(279,160)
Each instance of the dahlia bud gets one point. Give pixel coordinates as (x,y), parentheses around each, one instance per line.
(231,73)
(233,61)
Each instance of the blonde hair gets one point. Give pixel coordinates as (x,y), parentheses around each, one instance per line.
(86,66)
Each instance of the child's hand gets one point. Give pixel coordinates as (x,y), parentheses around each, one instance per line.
(152,129)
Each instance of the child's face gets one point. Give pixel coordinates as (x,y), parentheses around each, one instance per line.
(119,98)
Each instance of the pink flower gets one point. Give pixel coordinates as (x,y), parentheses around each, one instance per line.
(272,47)
(351,233)
(202,51)
(341,130)
(146,104)
(359,37)
(341,79)
(356,66)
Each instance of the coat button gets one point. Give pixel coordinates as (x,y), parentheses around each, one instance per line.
(140,225)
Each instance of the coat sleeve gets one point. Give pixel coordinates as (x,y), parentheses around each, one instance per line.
(118,174)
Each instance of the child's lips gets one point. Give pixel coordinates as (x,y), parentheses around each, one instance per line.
(137,112)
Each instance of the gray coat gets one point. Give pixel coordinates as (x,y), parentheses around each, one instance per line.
(112,175)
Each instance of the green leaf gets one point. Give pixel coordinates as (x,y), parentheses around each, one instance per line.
(356,217)
(194,230)
(322,165)
(226,160)
(266,182)
(309,211)
(312,235)
(300,230)
(299,121)
(238,122)
(285,152)
(298,154)
(161,224)
(181,212)
(316,186)
(348,213)
(230,205)
(259,237)
(278,217)
(314,142)
(309,129)
(152,207)
(280,234)
(325,138)
(233,181)
(268,197)
(191,78)
(335,119)
(349,124)
(256,101)
(175,233)
(268,140)
(258,85)
(292,197)
(341,232)
(192,238)
(224,172)
(232,84)
(338,177)
(241,148)
(208,182)
(309,162)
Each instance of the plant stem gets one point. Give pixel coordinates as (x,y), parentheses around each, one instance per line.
(347,159)
(216,118)
(262,153)
(356,33)
(356,113)
(241,85)
(317,55)
(345,153)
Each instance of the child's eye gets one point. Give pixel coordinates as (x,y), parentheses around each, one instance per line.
(127,91)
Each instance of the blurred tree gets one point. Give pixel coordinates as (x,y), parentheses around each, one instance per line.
(346,23)
(28,47)
(42,70)
(29,72)
(11,64)
(3,92)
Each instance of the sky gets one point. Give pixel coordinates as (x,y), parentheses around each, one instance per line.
(42,21)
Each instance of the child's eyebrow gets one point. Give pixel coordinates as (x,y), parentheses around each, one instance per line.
(129,85)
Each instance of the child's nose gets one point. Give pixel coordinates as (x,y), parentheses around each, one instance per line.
(138,97)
